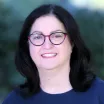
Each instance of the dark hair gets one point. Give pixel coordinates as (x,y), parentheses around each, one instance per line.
(81,76)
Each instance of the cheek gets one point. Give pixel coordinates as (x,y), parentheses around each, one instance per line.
(66,49)
(66,46)
(34,53)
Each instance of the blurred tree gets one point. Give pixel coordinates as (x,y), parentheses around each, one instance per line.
(92,30)
(9,31)
(24,7)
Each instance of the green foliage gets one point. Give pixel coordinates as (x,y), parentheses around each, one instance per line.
(9,31)
(92,30)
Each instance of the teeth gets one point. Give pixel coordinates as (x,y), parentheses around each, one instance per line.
(49,55)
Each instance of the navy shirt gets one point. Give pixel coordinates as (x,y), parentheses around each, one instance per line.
(94,95)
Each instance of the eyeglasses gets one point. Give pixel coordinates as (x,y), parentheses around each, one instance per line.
(38,39)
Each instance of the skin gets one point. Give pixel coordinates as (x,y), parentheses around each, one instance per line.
(53,72)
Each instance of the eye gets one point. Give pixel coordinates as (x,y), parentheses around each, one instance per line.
(37,37)
(57,35)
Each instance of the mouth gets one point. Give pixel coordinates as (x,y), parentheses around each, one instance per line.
(49,55)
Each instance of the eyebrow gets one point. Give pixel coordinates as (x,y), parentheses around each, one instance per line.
(58,31)
(50,32)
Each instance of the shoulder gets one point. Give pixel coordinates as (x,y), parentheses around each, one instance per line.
(99,88)
(99,84)
(13,98)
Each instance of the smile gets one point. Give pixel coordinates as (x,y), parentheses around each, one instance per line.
(49,55)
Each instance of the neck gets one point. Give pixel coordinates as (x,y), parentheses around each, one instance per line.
(55,80)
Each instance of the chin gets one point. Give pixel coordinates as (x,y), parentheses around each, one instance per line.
(48,67)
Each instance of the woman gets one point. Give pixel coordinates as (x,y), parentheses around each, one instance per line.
(55,62)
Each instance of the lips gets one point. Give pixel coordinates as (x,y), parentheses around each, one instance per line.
(49,55)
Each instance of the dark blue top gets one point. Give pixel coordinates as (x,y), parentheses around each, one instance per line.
(94,95)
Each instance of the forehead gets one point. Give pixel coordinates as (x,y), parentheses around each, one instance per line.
(47,24)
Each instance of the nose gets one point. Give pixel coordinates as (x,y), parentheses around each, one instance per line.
(47,44)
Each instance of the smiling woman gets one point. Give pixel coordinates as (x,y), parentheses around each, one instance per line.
(55,62)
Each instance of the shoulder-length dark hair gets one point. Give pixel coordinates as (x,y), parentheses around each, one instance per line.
(81,76)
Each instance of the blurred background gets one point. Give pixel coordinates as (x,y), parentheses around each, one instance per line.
(89,15)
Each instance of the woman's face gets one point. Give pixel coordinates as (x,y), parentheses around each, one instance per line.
(49,56)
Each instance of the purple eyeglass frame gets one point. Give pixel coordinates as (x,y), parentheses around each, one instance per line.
(48,37)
